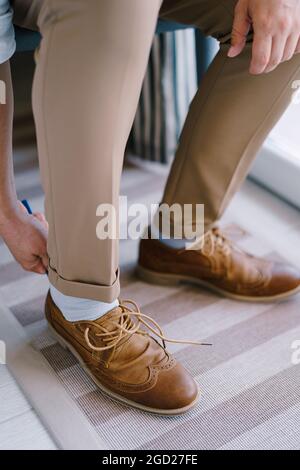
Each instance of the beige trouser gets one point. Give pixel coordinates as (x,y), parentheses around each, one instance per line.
(89,73)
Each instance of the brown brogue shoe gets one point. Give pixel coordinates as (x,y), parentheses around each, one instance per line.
(126,362)
(220,265)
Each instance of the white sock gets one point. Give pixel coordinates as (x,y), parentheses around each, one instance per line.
(77,309)
(175,243)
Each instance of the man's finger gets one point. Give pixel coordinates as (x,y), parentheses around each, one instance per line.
(35,267)
(22,207)
(39,216)
(261,53)
(290,47)
(278,47)
(43,256)
(240,29)
(45,261)
(39,269)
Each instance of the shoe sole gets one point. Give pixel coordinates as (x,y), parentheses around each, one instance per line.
(114,396)
(154,277)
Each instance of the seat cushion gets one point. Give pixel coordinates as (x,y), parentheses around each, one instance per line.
(164,26)
(26,40)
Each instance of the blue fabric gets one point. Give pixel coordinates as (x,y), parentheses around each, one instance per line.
(164,26)
(7,37)
(26,40)
(206,48)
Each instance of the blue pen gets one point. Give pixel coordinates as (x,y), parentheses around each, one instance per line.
(27,206)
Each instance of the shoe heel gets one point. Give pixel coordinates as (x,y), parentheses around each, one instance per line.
(153,277)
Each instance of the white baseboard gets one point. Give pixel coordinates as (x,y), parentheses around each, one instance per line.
(278,170)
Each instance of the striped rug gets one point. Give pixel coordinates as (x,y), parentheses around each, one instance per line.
(251,390)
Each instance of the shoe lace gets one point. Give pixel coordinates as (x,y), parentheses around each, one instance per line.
(212,241)
(129,322)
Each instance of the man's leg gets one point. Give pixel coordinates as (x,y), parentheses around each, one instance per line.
(90,69)
(229,118)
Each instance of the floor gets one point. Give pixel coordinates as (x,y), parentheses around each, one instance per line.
(264,215)
(20,427)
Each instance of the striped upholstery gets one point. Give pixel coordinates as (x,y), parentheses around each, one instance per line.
(169,86)
(250,388)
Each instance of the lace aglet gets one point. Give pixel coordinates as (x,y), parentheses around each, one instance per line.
(205,344)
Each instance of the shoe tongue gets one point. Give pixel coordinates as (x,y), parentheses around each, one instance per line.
(109,320)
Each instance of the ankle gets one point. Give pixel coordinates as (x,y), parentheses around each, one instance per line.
(174,243)
(79,309)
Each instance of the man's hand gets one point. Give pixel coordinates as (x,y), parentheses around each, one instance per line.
(26,237)
(276,27)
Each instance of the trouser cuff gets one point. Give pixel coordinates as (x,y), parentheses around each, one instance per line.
(84,290)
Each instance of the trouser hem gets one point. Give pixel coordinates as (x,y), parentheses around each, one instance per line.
(84,290)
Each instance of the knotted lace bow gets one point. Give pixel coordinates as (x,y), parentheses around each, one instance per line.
(128,323)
